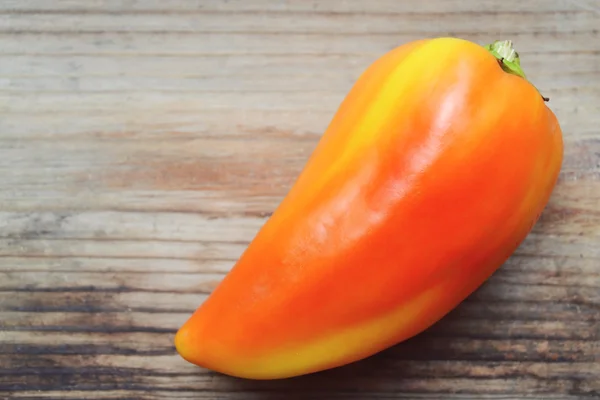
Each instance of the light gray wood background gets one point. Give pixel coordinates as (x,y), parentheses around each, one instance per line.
(143,143)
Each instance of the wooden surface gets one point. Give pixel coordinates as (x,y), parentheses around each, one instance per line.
(143,143)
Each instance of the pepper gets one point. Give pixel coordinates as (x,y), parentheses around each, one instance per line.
(433,170)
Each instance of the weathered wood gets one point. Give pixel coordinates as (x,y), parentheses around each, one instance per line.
(270,395)
(143,144)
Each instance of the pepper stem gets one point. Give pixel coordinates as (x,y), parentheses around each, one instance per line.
(508,58)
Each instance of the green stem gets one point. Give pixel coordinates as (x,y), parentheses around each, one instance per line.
(508,58)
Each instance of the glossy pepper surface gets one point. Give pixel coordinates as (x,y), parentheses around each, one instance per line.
(433,170)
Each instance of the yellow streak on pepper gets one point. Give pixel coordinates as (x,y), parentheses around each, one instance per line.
(392,98)
(348,345)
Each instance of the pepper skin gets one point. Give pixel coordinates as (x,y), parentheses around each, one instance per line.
(434,169)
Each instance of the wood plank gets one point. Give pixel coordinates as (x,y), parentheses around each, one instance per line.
(87,343)
(167,43)
(558,219)
(202,282)
(168,322)
(144,143)
(261,395)
(382,6)
(552,284)
(131,173)
(106,249)
(249,65)
(95,343)
(163,372)
(494,301)
(340,23)
(129,226)
(107,264)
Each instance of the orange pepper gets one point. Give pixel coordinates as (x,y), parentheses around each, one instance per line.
(433,170)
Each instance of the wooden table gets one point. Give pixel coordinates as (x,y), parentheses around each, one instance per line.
(143,143)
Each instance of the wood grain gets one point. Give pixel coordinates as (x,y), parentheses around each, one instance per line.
(143,144)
